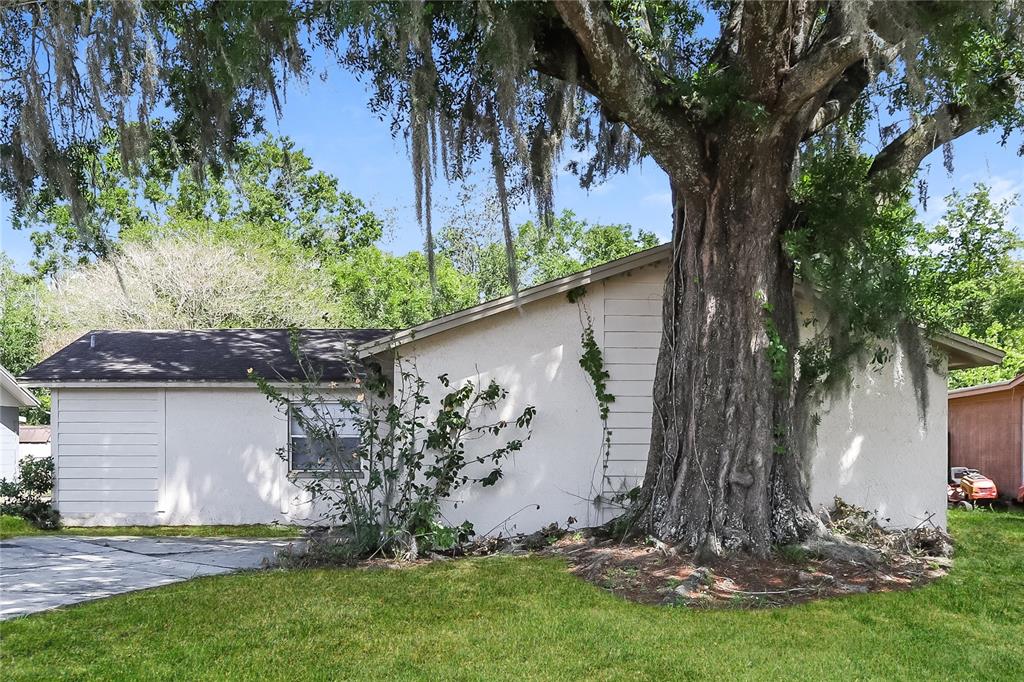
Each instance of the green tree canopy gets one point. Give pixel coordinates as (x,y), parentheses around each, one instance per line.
(269,196)
(969,279)
(543,252)
(20,325)
(379,290)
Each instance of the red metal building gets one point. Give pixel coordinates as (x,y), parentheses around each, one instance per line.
(985,432)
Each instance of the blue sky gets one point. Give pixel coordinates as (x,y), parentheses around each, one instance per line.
(331,122)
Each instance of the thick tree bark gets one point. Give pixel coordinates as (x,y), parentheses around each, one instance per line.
(730,429)
(725,469)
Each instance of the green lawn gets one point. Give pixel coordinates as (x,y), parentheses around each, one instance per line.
(12,526)
(516,618)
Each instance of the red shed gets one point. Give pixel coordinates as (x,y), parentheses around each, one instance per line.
(985,429)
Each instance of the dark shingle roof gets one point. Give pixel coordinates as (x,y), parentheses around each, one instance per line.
(201,355)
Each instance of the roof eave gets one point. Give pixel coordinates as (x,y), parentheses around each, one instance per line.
(172,383)
(17,390)
(965,353)
(498,305)
(995,387)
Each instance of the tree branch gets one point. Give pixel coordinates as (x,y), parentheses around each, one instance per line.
(629,90)
(904,155)
(820,70)
(558,55)
(840,99)
(728,42)
(763,53)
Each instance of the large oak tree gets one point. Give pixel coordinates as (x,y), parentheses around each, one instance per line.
(737,101)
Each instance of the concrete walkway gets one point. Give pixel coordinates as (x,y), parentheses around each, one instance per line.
(40,573)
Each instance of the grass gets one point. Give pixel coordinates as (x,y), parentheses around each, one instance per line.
(527,618)
(12,526)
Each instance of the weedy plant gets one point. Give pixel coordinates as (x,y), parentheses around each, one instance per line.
(385,460)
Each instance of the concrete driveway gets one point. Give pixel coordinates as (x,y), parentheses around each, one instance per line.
(40,573)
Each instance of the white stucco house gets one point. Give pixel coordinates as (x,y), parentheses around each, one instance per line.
(13,397)
(162,427)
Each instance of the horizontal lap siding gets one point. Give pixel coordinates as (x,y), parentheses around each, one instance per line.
(106,507)
(632,336)
(140,480)
(110,450)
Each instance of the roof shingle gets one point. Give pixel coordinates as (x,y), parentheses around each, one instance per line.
(201,355)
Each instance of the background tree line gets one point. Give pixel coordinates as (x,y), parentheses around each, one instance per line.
(272,241)
(269,241)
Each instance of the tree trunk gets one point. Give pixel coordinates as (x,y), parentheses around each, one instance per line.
(725,470)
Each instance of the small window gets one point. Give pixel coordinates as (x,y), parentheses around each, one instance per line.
(327,439)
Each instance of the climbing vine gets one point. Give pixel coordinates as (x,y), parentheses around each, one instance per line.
(778,354)
(592,362)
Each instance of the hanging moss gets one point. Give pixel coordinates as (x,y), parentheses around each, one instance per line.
(916,352)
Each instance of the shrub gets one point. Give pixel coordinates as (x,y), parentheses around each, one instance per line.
(28,495)
(382,492)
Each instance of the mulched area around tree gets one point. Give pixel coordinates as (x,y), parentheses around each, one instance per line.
(867,558)
(645,574)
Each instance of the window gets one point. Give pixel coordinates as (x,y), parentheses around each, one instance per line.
(323,438)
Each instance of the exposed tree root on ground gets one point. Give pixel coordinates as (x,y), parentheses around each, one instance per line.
(856,556)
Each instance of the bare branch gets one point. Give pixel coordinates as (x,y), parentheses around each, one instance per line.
(903,155)
(820,70)
(841,99)
(629,89)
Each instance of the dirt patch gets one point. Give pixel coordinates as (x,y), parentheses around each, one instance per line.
(644,574)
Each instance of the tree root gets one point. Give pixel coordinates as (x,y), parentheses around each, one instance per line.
(827,545)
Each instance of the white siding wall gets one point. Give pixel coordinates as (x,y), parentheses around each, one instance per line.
(176,456)
(33,450)
(109,448)
(872,448)
(222,463)
(535,354)
(632,335)
(8,435)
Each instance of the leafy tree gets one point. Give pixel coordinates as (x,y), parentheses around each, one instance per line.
(726,97)
(563,246)
(185,283)
(270,196)
(968,278)
(20,326)
(22,330)
(379,290)
(567,245)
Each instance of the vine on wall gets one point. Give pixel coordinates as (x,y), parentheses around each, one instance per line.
(592,362)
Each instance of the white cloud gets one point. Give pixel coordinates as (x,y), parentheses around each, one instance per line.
(658,198)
